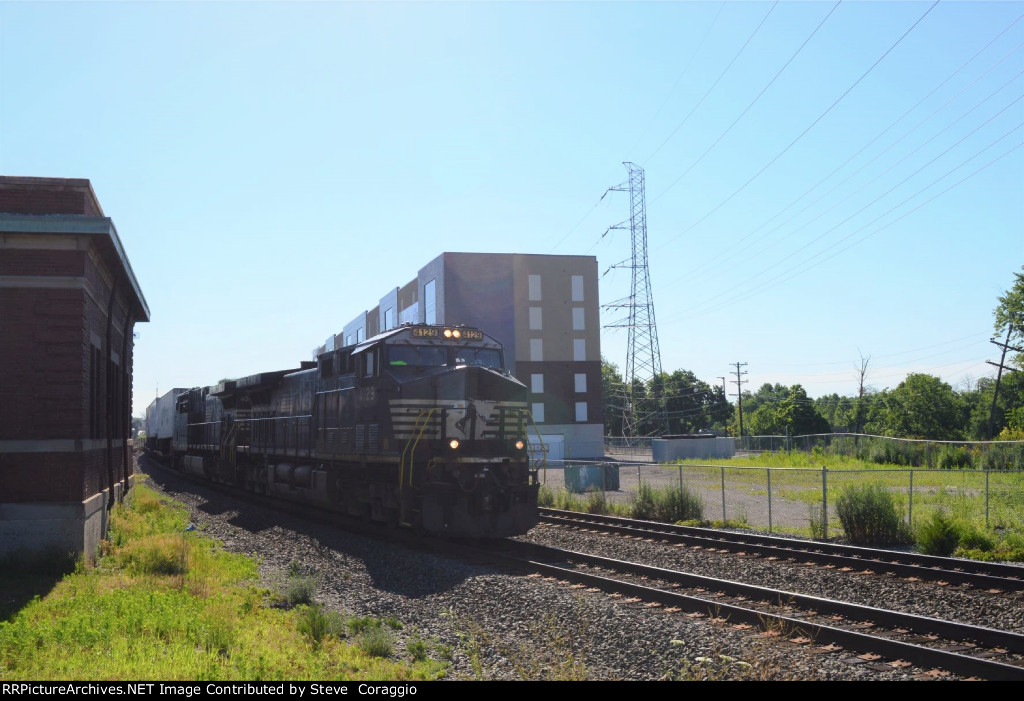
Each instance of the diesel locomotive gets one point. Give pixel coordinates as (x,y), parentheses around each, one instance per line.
(420,426)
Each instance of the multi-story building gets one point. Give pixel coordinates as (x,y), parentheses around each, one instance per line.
(543,308)
(68,305)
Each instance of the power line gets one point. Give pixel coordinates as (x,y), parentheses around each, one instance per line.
(805,131)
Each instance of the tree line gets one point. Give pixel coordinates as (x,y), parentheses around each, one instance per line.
(922,406)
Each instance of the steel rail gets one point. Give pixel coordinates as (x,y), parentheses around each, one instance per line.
(958,571)
(923,656)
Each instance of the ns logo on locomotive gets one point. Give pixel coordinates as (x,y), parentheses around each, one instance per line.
(419,426)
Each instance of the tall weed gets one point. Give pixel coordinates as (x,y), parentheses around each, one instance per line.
(871,515)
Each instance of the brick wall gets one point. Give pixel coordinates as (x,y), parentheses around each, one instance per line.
(20,195)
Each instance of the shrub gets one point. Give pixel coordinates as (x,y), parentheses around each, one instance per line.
(376,642)
(938,535)
(679,504)
(955,457)
(641,504)
(972,538)
(597,503)
(317,624)
(300,590)
(417,649)
(545,497)
(870,515)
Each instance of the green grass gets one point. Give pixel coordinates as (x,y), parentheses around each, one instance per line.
(165,603)
(797,476)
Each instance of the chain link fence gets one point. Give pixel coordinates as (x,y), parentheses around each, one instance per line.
(981,483)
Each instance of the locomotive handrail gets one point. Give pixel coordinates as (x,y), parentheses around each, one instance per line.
(410,446)
(540,439)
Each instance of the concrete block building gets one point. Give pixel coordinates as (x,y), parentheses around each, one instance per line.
(544,310)
(69,302)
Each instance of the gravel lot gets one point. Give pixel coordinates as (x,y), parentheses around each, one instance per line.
(490,625)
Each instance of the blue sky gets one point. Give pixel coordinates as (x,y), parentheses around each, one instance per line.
(824,182)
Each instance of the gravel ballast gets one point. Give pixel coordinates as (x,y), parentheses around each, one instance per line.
(494,626)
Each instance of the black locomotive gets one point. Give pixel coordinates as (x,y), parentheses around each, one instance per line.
(419,426)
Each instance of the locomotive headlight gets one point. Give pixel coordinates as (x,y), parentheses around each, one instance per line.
(447,333)
(456,333)
(520,445)
(453,443)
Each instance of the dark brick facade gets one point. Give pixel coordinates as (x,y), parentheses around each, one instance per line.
(68,305)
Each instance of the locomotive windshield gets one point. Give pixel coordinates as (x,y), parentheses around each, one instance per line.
(417,356)
(486,357)
(414,360)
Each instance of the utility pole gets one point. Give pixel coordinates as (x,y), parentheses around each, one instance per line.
(1005,345)
(643,356)
(739,392)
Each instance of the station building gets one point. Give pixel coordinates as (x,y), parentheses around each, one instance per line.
(69,302)
(542,308)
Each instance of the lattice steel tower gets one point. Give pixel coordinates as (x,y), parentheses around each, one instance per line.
(643,357)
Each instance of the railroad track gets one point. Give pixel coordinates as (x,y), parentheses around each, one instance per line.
(991,576)
(879,636)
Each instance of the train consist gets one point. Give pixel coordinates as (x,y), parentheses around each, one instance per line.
(418,426)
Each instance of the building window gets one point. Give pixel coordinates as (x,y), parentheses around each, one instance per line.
(581,411)
(389,319)
(536,319)
(430,302)
(537,383)
(537,409)
(581,382)
(349,340)
(359,335)
(536,349)
(534,285)
(577,319)
(579,349)
(577,288)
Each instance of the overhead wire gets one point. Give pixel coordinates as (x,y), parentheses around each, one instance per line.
(715,84)
(779,278)
(802,133)
(696,276)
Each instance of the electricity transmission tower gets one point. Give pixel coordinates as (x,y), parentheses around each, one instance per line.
(643,357)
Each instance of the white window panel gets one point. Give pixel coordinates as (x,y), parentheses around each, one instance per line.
(577,288)
(534,288)
(581,411)
(536,349)
(577,319)
(430,302)
(579,349)
(537,408)
(536,319)
(537,383)
(581,382)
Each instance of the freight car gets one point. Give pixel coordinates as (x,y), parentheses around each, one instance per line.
(160,423)
(419,426)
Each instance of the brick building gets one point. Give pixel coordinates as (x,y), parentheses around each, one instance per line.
(544,310)
(68,305)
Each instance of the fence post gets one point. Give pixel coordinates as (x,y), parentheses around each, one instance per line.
(824,502)
(910,502)
(724,519)
(986,498)
(769,471)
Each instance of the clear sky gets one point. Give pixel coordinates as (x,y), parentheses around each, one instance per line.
(825,181)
